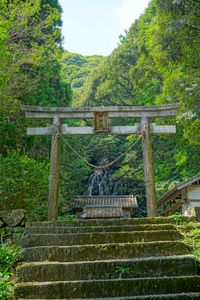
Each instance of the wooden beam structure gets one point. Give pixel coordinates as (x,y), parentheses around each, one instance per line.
(92,109)
(114,112)
(118,130)
(101,115)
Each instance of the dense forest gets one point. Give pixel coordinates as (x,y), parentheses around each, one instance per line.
(156,62)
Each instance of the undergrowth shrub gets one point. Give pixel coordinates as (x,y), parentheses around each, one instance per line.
(9,256)
(24,184)
(190,230)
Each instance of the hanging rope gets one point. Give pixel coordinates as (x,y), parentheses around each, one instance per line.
(108,165)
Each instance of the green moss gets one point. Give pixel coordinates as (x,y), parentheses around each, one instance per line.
(108,288)
(67,217)
(189,228)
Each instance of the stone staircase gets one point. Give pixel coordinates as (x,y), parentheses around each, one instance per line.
(106,259)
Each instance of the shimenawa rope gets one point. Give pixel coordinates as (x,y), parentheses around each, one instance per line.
(108,165)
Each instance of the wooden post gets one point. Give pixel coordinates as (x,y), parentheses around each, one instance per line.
(148,168)
(54,171)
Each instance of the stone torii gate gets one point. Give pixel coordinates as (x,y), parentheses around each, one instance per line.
(100,116)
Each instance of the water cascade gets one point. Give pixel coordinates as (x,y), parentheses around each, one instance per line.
(101,183)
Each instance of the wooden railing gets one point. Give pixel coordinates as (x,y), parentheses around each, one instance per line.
(170,205)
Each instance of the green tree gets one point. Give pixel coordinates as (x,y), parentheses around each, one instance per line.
(157,62)
(24,184)
(30,73)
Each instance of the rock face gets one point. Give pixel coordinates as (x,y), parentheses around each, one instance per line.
(194,212)
(12,217)
(106,259)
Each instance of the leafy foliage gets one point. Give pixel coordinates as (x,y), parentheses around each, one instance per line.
(75,70)
(30,70)
(156,63)
(9,255)
(78,67)
(23,184)
(32,37)
(30,73)
(190,231)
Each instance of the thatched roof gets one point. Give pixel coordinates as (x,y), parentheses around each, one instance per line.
(117,201)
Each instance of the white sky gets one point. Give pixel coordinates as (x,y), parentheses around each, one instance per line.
(93,26)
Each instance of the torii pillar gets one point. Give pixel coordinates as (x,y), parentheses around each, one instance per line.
(54,170)
(149,177)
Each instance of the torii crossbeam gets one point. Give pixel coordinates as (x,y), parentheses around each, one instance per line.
(101,116)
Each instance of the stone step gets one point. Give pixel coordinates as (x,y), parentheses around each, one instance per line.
(104,251)
(110,269)
(108,288)
(180,296)
(102,222)
(98,238)
(64,230)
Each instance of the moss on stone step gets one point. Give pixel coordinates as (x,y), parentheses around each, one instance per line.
(105,222)
(98,238)
(112,269)
(108,288)
(64,230)
(104,251)
(181,296)
(139,259)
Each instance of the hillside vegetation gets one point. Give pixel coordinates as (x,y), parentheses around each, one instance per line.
(156,62)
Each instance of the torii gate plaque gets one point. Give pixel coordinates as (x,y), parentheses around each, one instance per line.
(100,115)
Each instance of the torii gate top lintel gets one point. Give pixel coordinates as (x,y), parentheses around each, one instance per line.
(100,115)
(82,112)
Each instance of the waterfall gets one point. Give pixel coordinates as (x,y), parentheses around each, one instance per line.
(100,183)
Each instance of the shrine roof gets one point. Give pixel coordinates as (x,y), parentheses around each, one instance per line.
(176,190)
(125,201)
